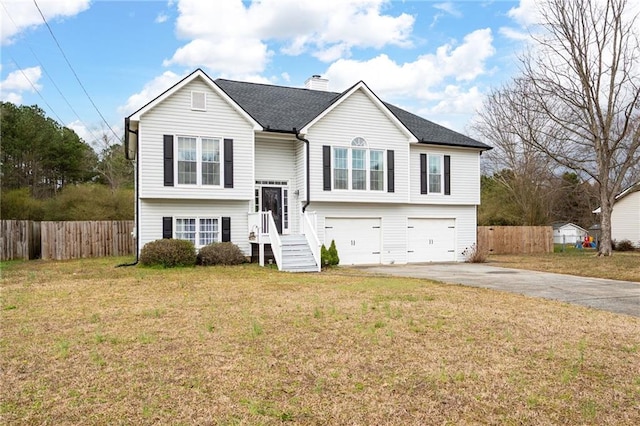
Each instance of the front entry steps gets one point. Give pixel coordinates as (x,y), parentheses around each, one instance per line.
(296,254)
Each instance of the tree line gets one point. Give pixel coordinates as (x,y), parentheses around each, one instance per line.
(49,173)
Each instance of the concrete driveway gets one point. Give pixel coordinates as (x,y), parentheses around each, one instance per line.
(621,297)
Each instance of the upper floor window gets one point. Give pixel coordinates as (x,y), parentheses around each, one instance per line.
(199,100)
(358,167)
(435,174)
(198,160)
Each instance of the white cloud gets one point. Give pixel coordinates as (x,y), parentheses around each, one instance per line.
(150,90)
(19,15)
(514,34)
(526,13)
(420,78)
(19,81)
(161,18)
(449,8)
(232,38)
(455,100)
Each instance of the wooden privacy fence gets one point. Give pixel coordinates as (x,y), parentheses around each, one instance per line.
(19,239)
(22,239)
(73,240)
(515,239)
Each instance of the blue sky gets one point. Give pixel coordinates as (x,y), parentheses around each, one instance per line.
(434,58)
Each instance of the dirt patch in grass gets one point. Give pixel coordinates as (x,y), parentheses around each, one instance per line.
(623,266)
(83,342)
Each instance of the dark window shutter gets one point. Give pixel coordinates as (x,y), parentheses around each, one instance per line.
(391,179)
(167,227)
(226,229)
(168,160)
(228,163)
(326,167)
(447,175)
(423,174)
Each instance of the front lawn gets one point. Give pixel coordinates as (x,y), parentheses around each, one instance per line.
(83,342)
(621,266)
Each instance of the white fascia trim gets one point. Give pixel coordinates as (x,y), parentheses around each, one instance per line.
(382,107)
(196,74)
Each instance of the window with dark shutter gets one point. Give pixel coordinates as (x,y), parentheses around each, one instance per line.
(228,163)
(326,167)
(167,227)
(423,174)
(390,171)
(168,160)
(447,175)
(226,229)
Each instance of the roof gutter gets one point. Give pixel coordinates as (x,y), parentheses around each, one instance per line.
(308,189)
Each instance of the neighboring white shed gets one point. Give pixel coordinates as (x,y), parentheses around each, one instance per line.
(568,233)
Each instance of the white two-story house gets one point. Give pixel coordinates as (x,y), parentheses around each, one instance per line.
(293,168)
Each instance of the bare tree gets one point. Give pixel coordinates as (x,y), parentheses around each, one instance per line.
(582,76)
(524,173)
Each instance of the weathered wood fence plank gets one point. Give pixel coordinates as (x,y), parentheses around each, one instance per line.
(515,239)
(22,239)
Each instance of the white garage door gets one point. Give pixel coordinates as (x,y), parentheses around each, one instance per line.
(431,240)
(358,240)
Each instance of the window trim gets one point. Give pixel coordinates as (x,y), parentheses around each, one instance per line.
(367,167)
(204,100)
(197,219)
(199,161)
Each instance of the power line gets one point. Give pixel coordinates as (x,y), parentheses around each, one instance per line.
(35,89)
(74,72)
(52,81)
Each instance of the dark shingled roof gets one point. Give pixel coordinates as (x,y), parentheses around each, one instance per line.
(279,108)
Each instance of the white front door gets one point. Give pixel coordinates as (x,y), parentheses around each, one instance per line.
(358,240)
(431,240)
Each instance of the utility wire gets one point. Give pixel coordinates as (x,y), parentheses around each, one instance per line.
(35,89)
(74,72)
(51,79)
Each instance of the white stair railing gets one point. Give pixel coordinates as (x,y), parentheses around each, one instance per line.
(274,238)
(309,226)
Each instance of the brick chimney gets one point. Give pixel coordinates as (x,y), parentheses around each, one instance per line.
(315,82)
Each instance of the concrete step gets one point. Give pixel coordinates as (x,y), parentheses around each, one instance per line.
(296,254)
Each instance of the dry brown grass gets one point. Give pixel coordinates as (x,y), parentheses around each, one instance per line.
(621,266)
(84,343)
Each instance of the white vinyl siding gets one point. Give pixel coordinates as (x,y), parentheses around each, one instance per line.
(152,212)
(174,116)
(277,161)
(358,117)
(625,219)
(464,176)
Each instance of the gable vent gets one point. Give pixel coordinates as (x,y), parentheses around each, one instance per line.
(316,82)
(199,100)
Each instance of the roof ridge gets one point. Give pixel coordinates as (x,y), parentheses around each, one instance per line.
(276,85)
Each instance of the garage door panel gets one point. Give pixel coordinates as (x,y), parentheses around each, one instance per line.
(430,240)
(358,240)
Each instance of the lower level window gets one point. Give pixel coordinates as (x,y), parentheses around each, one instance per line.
(200,231)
